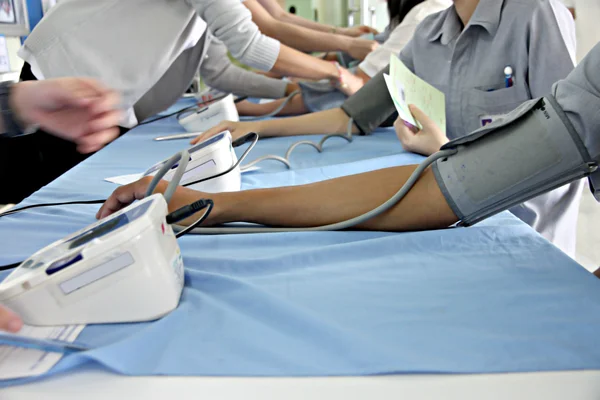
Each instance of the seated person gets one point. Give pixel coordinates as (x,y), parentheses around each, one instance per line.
(574,103)
(463,51)
(405,15)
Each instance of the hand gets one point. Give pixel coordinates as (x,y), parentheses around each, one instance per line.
(357,31)
(425,141)
(360,48)
(125,195)
(237,130)
(348,83)
(9,321)
(76,109)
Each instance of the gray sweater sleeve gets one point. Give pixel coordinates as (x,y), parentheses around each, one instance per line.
(231,22)
(219,72)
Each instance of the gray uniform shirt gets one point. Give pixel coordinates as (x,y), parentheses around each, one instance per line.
(579,97)
(468,66)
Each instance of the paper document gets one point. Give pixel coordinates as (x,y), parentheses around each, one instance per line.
(17,362)
(127,179)
(124,179)
(407,88)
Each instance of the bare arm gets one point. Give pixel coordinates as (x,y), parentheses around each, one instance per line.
(294,107)
(362,75)
(295,36)
(294,63)
(316,204)
(273,7)
(319,123)
(305,39)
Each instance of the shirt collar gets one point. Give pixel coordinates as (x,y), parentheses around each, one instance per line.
(487,15)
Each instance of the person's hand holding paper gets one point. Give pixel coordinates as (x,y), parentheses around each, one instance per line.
(421,124)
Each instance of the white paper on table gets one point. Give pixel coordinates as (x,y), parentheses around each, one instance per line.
(127,179)
(124,179)
(17,362)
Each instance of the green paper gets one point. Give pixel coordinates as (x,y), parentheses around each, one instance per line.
(407,88)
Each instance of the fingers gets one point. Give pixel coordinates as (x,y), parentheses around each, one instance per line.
(124,196)
(75,92)
(103,122)
(109,101)
(94,142)
(9,321)
(420,116)
(405,135)
(223,126)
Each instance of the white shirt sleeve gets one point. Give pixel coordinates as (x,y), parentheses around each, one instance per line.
(231,22)
(566,24)
(400,36)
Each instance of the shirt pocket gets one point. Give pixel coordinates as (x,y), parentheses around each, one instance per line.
(483,106)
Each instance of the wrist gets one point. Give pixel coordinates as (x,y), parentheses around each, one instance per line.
(230,207)
(438,144)
(291,88)
(17,101)
(344,32)
(346,43)
(332,72)
(340,81)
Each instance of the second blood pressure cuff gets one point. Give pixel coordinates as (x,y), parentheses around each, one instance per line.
(526,153)
(372,106)
(319,96)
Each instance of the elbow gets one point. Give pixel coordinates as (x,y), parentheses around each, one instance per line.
(269,28)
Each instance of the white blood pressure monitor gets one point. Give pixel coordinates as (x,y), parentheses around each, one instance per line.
(210,116)
(212,157)
(124,268)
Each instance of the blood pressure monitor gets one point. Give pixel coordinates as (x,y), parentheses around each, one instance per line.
(207,159)
(124,268)
(207,117)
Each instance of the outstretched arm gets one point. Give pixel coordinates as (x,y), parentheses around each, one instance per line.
(316,204)
(304,39)
(280,14)
(319,123)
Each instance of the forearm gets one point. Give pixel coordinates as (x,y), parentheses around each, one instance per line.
(294,63)
(308,40)
(295,36)
(320,123)
(244,83)
(280,14)
(341,199)
(294,107)
(298,20)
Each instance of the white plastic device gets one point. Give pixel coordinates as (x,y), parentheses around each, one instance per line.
(124,268)
(207,159)
(210,116)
